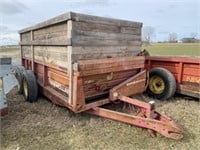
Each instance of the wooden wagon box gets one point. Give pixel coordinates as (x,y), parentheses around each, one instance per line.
(78,58)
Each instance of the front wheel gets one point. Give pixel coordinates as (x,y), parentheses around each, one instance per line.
(162,84)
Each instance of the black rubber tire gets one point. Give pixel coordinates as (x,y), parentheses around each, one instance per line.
(18,72)
(169,81)
(30,86)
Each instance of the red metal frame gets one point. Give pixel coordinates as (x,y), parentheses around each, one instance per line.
(154,123)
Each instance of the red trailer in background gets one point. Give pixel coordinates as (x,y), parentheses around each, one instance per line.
(185,70)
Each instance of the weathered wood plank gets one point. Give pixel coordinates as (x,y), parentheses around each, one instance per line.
(51,29)
(103,85)
(83,41)
(89,56)
(113,69)
(84,50)
(94,52)
(104,36)
(26,52)
(59,72)
(59,41)
(96,27)
(26,36)
(109,65)
(103,20)
(55,20)
(64,80)
(111,62)
(52,54)
(51,35)
(107,77)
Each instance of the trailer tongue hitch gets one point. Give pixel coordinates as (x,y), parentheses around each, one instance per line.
(146,117)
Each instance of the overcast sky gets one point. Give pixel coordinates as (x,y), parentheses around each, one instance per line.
(166,16)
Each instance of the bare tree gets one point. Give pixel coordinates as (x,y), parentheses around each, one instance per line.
(147,33)
(193,34)
(173,37)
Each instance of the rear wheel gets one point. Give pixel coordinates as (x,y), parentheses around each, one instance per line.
(30,87)
(162,84)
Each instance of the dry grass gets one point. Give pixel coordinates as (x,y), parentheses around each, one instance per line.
(12,51)
(43,125)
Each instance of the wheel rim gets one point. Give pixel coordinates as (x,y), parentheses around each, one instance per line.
(156,84)
(25,87)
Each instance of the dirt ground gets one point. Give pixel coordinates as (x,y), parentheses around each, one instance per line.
(43,125)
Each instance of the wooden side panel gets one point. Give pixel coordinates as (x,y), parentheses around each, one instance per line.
(99,84)
(26,52)
(55,55)
(97,38)
(101,75)
(56,32)
(58,80)
(26,36)
(94,52)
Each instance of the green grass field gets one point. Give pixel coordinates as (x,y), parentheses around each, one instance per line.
(173,49)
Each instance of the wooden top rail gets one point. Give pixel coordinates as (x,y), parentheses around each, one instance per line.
(101,66)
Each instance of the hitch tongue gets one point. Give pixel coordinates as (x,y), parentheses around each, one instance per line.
(148,118)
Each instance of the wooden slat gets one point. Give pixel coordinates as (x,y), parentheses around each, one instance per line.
(58,19)
(99,52)
(111,62)
(82,41)
(51,35)
(112,69)
(108,77)
(104,49)
(60,41)
(26,36)
(51,29)
(59,78)
(105,36)
(96,27)
(52,54)
(103,20)
(76,57)
(104,85)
